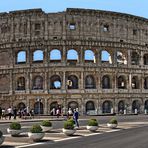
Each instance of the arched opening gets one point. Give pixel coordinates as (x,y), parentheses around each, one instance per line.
(55,55)
(73,105)
(121,58)
(38,108)
(21,57)
(121,107)
(55,82)
(38,83)
(146,83)
(21,83)
(72,82)
(135,58)
(146,105)
(54,105)
(90,106)
(89,56)
(106,57)
(90,82)
(106,82)
(121,82)
(107,106)
(21,106)
(135,82)
(136,105)
(38,56)
(72,56)
(145,59)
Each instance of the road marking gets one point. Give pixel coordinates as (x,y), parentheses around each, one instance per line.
(28,145)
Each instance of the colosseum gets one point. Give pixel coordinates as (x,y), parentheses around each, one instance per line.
(93,60)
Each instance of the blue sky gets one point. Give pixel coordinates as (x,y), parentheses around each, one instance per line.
(135,7)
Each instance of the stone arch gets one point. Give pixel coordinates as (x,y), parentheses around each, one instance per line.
(122,82)
(21,57)
(121,58)
(135,82)
(107,106)
(146,83)
(135,58)
(90,82)
(106,83)
(37,82)
(55,55)
(121,106)
(38,108)
(106,56)
(38,56)
(90,106)
(136,105)
(72,54)
(89,56)
(53,105)
(146,105)
(20,83)
(21,106)
(73,105)
(145,59)
(55,82)
(72,82)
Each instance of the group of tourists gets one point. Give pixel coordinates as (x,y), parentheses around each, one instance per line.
(13,112)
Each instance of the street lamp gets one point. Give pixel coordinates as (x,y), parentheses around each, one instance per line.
(39,100)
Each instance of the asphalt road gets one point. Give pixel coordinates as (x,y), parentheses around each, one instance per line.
(131,138)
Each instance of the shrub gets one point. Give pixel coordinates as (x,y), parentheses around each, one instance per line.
(46,123)
(113,121)
(1,134)
(15,126)
(36,129)
(68,125)
(71,120)
(92,122)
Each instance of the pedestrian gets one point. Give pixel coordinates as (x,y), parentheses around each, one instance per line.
(9,112)
(58,112)
(69,113)
(76,117)
(14,113)
(0,112)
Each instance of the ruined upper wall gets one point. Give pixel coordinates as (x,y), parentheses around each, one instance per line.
(73,24)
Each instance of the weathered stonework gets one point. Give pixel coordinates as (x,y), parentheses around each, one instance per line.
(116,86)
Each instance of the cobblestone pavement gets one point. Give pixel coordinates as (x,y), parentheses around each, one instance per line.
(56,135)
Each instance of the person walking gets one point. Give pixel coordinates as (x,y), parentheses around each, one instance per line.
(0,113)
(76,117)
(14,113)
(9,112)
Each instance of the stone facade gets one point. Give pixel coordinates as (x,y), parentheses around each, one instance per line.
(94,84)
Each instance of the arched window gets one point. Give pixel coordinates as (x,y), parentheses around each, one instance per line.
(72,82)
(21,83)
(54,105)
(135,82)
(146,83)
(90,106)
(21,106)
(121,107)
(145,58)
(21,57)
(55,82)
(55,54)
(135,58)
(136,105)
(121,58)
(107,106)
(38,82)
(72,54)
(38,56)
(89,56)
(73,105)
(106,57)
(90,82)
(121,82)
(106,82)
